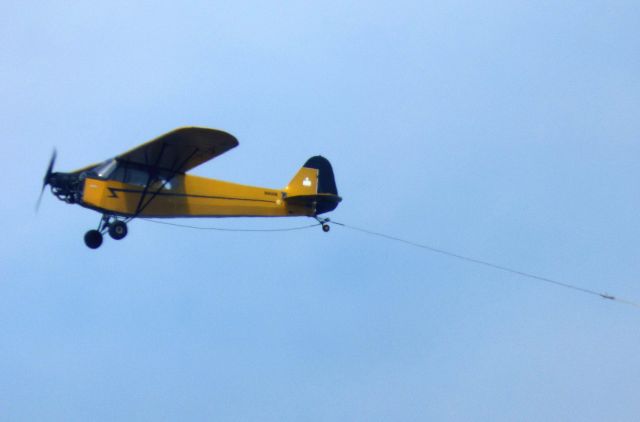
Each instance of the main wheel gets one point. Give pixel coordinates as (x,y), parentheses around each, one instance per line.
(93,239)
(118,230)
(326,228)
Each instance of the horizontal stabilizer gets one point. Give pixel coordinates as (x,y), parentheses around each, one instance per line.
(317,204)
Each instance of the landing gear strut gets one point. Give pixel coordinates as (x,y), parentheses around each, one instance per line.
(117,229)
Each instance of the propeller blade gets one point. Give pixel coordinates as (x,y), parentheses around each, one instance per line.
(47,177)
(39,199)
(50,169)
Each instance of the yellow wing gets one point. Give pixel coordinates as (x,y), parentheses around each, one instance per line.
(181,149)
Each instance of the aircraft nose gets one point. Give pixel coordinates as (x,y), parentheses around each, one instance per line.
(51,179)
(62,180)
(57,179)
(66,186)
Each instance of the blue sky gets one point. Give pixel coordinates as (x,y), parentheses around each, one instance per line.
(506,131)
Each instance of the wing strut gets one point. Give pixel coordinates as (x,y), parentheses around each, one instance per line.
(150,178)
(142,205)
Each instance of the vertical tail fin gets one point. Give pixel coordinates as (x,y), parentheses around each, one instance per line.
(315,177)
(314,187)
(305,182)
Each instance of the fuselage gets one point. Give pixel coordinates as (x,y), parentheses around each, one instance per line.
(183,195)
(186,196)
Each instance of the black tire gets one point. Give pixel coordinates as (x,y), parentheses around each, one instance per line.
(326,228)
(118,230)
(93,239)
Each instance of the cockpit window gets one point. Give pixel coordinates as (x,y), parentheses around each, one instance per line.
(134,176)
(130,173)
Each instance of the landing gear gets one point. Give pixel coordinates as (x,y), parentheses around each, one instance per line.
(323,221)
(93,239)
(117,229)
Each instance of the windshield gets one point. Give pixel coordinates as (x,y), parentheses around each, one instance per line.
(105,169)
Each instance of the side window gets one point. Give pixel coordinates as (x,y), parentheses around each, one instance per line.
(136,177)
(168,185)
(118,174)
(134,174)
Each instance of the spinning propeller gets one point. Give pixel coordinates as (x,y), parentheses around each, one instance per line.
(47,177)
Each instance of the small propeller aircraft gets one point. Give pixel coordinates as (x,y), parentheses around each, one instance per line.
(151,181)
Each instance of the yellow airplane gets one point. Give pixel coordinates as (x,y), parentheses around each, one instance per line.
(151,181)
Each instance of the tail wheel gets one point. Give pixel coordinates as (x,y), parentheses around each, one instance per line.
(93,239)
(118,230)
(326,228)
